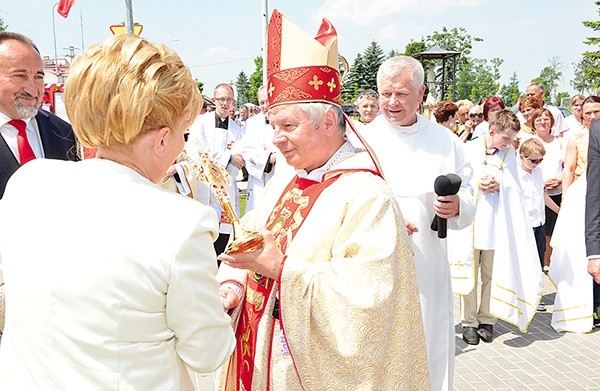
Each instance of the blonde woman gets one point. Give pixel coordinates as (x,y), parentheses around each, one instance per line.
(125,298)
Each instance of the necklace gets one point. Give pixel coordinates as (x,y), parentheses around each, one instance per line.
(130,166)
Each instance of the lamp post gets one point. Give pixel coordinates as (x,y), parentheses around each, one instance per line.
(128,17)
(54,36)
(265,23)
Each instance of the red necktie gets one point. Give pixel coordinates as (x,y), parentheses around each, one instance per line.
(25,152)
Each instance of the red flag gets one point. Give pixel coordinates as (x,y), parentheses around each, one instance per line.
(64,6)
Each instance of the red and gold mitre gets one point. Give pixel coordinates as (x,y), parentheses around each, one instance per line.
(301,68)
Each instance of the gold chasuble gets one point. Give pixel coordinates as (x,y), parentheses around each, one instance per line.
(289,214)
(344,312)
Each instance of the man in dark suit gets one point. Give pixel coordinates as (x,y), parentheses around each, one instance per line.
(592,207)
(26,131)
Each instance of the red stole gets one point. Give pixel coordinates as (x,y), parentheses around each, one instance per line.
(287,217)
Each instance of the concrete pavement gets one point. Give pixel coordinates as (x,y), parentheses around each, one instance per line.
(540,360)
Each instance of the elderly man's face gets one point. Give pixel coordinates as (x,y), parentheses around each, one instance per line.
(367,108)
(399,99)
(244,112)
(535,92)
(263,102)
(21,80)
(463,114)
(303,145)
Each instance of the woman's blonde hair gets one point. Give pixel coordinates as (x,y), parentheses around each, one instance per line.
(125,87)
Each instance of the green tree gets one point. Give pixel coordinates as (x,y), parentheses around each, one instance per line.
(256,80)
(455,39)
(549,77)
(363,72)
(510,92)
(393,53)
(373,57)
(242,85)
(478,78)
(587,72)
(2,25)
(200,85)
(583,82)
(354,81)
(414,47)
(560,96)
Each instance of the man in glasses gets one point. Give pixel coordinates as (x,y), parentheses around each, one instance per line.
(499,240)
(263,158)
(216,133)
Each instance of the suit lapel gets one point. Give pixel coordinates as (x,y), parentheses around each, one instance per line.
(46,136)
(8,161)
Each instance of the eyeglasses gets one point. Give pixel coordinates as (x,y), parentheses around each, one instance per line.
(478,115)
(224,100)
(535,161)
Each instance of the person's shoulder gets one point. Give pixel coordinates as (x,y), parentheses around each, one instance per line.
(40,173)
(595,126)
(234,126)
(256,120)
(202,119)
(46,118)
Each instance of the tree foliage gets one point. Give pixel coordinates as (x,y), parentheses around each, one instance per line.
(549,77)
(200,85)
(478,78)
(2,25)
(256,80)
(510,92)
(242,85)
(363,72)
(457,40)
(584,81)
(587,71)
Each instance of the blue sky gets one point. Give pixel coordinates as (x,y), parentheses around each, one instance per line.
(218,39)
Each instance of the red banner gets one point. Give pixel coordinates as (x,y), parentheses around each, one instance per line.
(64,6)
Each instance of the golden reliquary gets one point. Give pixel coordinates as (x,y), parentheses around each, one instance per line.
(206,170)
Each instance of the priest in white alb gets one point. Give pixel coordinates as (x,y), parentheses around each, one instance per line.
(413,152)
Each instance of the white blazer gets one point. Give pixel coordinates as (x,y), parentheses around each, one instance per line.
(109,281)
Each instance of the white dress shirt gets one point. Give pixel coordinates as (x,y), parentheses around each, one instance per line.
(10,133)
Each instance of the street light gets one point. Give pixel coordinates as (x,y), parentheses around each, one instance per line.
(54,35)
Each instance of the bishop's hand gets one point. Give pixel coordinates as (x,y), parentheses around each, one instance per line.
(266,261)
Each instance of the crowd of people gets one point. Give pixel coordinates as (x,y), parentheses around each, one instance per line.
(368,226)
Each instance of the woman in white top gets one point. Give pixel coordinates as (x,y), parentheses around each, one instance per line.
(551,167)
(575,121)
(122,295)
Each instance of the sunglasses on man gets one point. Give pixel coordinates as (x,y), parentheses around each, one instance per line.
(478,115)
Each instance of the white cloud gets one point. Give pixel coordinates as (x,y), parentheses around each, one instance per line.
(369,12)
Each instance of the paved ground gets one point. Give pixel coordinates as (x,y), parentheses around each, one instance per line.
(542,359)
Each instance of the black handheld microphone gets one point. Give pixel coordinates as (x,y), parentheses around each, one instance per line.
(444,185)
